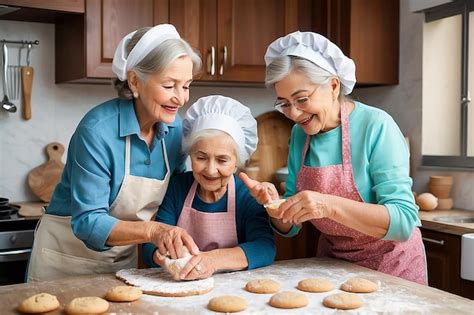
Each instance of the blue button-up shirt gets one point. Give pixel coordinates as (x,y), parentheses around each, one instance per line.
(95,167)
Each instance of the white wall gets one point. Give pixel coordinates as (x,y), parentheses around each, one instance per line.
(57,109)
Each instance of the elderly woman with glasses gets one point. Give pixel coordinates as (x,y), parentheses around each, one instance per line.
(213,205)
(348,163)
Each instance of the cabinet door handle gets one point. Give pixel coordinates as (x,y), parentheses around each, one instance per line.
(211,61)
(224,60)
(430,240)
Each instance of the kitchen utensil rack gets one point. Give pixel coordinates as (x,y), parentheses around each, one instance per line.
(20,42)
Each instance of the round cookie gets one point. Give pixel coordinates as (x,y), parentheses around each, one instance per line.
(359,285)
(315,285)
(39,303)
(123,293)
(288,299)
(343,301)
(263,286)
(227,304)
(87,305)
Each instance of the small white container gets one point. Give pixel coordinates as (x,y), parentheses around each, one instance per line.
(467,257)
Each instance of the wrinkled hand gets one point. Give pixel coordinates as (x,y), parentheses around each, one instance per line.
(263,192)
(305,205)
(199,267)
(171,239)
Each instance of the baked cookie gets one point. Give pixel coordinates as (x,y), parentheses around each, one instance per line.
(174,266)
(315,285)
(227,304)
(264,286)
(39,303)
(273,207)
(123,293)
(359,285)
(343,301)
(87,305)
(288,299)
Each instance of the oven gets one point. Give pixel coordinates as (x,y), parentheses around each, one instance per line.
(16,241)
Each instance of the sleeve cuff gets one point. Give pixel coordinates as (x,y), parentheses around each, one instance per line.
(295,229)
(399,228)
(100,233)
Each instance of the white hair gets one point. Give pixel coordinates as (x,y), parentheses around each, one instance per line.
(194,137)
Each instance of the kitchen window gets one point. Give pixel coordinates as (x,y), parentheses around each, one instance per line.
(448,79)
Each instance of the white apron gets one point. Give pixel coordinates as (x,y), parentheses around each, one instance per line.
(58,253)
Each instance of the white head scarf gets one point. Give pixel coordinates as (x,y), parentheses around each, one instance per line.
(226,114)
(317,49)
(150,40)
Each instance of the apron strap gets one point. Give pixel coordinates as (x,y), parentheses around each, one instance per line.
(346,143)
(127,155)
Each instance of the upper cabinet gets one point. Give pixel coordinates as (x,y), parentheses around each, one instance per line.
(85,45)
(232,35)
(76,6)
(367,31)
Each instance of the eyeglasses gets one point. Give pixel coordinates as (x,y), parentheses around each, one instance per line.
(300,103)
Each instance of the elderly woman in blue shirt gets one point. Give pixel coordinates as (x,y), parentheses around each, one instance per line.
(119,162)
(213,205)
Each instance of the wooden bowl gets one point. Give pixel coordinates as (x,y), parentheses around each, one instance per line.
(439,190)
(441,180)
(445,204)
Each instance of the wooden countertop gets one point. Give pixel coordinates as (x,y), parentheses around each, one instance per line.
(450,228)
(395,294)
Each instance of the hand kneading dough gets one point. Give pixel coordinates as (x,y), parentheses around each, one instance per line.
(227,304)
(315,285)
(343,301)
(87,305)
(123,293)
(174,266)
(288,299)
(39,303)
(359,285)
(263,286)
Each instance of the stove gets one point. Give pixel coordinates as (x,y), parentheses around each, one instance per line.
(16,241)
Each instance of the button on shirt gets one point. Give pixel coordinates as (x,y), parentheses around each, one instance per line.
(95,167)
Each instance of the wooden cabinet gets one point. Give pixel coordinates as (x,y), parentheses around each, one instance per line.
(85,44)
(304,245)
(367,31)
(232,35)
(76,6)
(443,254)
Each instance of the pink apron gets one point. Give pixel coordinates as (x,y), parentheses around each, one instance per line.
(402,259)
(210,230)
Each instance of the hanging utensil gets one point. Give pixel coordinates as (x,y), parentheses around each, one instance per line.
(6,104)
(27,83)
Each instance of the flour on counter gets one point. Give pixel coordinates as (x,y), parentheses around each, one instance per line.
(156,281)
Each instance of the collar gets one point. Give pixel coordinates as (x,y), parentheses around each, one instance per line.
(129,123)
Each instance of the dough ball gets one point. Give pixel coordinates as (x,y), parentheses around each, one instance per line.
(227,304)
(39,303)
(343,301)
(264,286)
(315,285)
(359,285)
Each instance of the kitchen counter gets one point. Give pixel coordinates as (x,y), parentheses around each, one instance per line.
(395,295)
(450,228)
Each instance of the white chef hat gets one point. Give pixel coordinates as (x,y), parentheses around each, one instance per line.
(150,40)
(317,49)
(225,114)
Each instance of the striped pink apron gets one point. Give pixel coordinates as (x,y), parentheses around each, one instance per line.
(210,230)
(402,259)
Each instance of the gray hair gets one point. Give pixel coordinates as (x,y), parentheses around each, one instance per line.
(194,137)
(157,60)
(280,67)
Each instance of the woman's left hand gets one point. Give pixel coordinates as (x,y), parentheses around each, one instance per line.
(304,206)
(198,267)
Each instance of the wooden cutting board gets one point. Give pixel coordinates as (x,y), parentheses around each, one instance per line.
(274,131)
(44,178)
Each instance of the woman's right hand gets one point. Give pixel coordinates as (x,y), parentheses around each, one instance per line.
(263,192)
(170,240)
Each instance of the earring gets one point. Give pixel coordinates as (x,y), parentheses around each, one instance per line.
(135,94)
